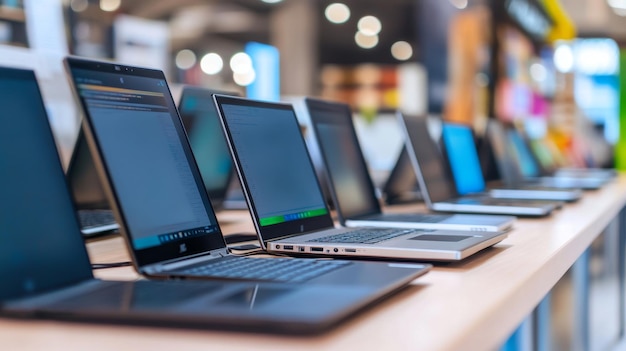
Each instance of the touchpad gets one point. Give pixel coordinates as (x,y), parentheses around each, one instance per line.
(255,296)
(446,238)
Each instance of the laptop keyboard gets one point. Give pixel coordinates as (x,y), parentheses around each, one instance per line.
(274,269)
(366,236)
(95,218)
(416,217)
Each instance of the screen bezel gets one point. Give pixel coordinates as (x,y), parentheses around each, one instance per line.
(164,252)
(284,229)
(316,106)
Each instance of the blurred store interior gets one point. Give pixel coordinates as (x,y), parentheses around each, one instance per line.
(550,67)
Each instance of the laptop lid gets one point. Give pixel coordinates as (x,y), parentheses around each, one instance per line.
(351,186)
(401,185)
(141,149)
(433,174)
(528,165)
(41,245)
(508,164)
(206,137)
(274,167)
(460,149)
(83,178)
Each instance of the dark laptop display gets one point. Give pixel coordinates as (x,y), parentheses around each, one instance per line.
(41,246)
(401,185)
(46,272)
(206,137)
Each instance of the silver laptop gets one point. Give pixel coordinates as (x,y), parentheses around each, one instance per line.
(515,187)
(156,190)
(352,187)
(438,185)
(46,273)
(534,173)
(288,207)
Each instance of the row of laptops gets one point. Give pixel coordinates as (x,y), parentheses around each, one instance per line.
(140,147)
(144,157)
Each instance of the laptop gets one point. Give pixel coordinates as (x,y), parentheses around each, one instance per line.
(353,190)
(534,173)
(156,191)
(464,152)
(94,212)
(401,186)
(509,165)
(46,273)
(436,181)
(206,138)
(288,207)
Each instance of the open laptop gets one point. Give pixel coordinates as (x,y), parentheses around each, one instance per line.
(288,207)
(509,164)
(46,273)
(206,138)
(438,185)
(463,158)
(156,191)
(94,212)
(401,186)
(352,188)
(534,173)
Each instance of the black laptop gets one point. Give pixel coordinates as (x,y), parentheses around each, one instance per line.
(206,138)
(94,213)
(46,273)
(156,190)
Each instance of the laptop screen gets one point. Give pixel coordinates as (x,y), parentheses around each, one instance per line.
(146,156)
(433,174)
(461,151)
(274,166)
(354,192)
(40,241)
(527,163)
(206,137)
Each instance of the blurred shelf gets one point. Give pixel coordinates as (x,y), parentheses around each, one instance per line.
(12,14)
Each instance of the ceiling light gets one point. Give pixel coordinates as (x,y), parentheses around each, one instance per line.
(241,63)
(617,4)
(337,13)
(271,1)
(110,5)
(365,41)
(369,25)
(185,59)
(459,4)
(244,79)
(79,5)
(401,50)
(211,63)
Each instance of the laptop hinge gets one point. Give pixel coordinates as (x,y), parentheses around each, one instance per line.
(185,261)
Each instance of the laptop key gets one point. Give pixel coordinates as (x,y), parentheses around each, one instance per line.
(275,269)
